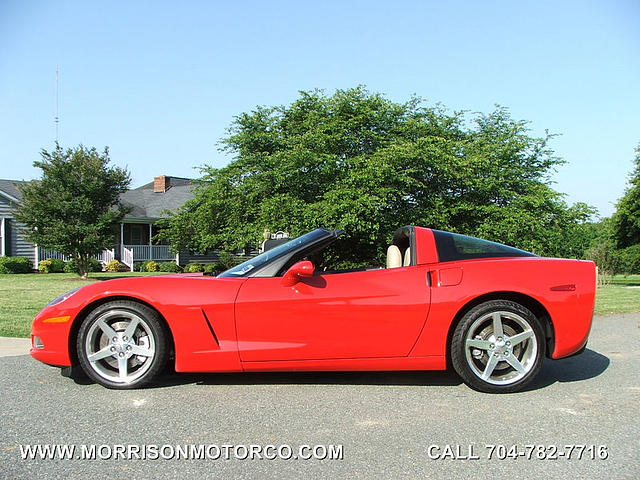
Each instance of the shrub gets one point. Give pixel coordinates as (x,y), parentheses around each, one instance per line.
(15,265)
(170,267)
(628,259)
(44,266)
(194,267)
(94,266)
(57,265)
(51,265)
(227,260)
(114,266)
(150,266)
(138,266)
(211,268)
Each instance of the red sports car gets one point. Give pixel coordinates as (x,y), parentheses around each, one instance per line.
(490,311)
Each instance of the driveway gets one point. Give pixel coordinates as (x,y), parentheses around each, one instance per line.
(389,424)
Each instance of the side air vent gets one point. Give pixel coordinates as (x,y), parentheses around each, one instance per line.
(213,333)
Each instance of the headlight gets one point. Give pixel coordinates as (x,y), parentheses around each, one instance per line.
(63,297)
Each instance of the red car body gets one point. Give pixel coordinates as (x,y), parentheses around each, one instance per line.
(379,319)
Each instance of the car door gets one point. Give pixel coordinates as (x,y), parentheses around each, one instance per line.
(374,313)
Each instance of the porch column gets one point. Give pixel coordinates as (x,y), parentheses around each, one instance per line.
(121,235)
(2,239)
(36,257)
(178,258)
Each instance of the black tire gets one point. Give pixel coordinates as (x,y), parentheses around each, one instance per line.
(122,344)
(498,347)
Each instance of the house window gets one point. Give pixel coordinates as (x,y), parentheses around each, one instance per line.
(136,235)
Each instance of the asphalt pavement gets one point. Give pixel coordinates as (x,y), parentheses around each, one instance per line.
(389,423)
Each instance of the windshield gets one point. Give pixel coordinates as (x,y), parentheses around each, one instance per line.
(257,262)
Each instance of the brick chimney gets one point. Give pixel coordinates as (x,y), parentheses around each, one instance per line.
(161,183)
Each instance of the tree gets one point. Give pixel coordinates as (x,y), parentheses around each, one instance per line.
(626,219)
(74,208)
(602,251)
(362,163)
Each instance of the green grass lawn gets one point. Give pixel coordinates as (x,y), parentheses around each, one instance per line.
(619,296)
(23,296)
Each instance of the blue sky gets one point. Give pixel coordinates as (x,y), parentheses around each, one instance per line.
(159,82)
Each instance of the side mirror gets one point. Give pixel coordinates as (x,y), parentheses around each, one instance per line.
(297,271)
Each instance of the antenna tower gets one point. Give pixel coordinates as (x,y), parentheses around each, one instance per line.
(56,119)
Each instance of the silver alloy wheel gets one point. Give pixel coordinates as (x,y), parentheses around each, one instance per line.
(120,346)
(501,347)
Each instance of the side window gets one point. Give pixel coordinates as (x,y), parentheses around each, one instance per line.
(452,246)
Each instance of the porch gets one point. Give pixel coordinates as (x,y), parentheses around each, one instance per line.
(138,246)
(135,243)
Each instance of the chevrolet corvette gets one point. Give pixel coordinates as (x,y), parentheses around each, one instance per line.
(489,311)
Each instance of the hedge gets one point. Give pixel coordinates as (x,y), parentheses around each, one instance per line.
(194,267)
(170,267)
(51,265)
(15,265)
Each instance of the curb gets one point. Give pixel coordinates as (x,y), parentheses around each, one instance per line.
(12,347)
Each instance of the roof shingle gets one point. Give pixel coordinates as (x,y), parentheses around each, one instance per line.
(10,187)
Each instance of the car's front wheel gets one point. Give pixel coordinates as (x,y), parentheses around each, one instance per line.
(122,344)
(498,347)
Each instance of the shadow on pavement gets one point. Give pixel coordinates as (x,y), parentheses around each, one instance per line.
(588,364)
(435,378)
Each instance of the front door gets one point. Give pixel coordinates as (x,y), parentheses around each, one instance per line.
(375,313)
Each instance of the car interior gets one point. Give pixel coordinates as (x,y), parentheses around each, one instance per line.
(399,254)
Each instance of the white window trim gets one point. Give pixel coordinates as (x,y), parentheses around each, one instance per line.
(2,239)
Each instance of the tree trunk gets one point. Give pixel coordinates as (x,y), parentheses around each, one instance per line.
(83,266)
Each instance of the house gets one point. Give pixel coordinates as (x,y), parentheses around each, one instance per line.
(12,242)
(149,203)
(133,243)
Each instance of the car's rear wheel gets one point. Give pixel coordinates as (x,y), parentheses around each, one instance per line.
(122,344)
(498,347)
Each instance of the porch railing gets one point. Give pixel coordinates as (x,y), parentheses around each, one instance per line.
(106,256)
(126,256)
(44,253)
(103,257)
(151,252)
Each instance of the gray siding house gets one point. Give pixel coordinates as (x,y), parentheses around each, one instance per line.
(149,203)
(133,243)
(12,242)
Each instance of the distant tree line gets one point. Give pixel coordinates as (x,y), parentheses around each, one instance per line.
(615,245)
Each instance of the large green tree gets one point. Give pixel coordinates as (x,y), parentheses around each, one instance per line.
(360,162)
(626,219)
(74,207)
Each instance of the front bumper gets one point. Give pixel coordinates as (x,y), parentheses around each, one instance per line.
(52,327)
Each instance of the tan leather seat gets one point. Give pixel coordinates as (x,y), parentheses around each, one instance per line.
(394,257)
(407,258)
